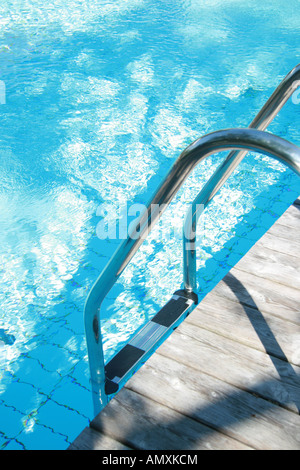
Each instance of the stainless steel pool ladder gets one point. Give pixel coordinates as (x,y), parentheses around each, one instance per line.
(107,379)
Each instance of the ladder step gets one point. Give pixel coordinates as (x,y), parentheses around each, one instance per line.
(127,361)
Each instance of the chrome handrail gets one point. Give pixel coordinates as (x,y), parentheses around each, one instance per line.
(238,139)
(266,115)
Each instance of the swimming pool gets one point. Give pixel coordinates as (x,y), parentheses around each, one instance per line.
(101,97)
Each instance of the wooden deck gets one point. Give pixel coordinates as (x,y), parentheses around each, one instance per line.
(229,377)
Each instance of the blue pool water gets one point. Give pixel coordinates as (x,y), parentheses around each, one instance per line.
(101,97)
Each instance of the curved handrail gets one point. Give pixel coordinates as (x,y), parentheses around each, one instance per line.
(266,115)
(238,139)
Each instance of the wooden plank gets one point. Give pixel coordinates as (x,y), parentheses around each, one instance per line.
(249,326)
(290,218)
(275,243)
(271,265)
(146,424)
(89,439)
(285,232)
(238,414)
(235,364)
(267,296)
